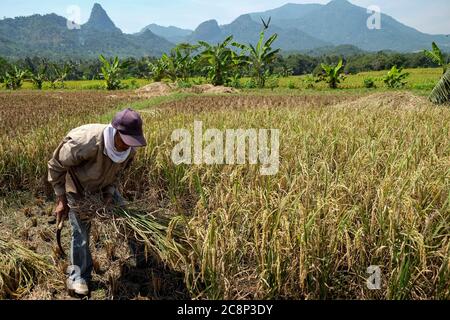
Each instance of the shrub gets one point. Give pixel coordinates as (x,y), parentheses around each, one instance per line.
(272,81)
(183,84)
(396,78)
(309,81)
(251,84)
(369,83)
(292,85)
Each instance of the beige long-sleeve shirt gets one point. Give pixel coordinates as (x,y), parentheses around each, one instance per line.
(82,151)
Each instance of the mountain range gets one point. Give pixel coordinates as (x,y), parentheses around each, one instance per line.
(300,27)
(49,36)
(340,22)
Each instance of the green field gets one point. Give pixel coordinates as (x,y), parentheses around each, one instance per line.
(421,81)
(87,84)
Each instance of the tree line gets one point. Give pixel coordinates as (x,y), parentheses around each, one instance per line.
(299,64)
(292,64)
(224,63)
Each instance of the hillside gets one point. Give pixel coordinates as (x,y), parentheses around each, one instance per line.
(48,35)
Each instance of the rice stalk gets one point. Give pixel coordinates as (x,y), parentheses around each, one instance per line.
(20,269)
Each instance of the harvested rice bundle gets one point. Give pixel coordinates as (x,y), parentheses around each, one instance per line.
(20,269)
(161,235)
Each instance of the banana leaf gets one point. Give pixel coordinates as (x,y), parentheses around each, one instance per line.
(441,92)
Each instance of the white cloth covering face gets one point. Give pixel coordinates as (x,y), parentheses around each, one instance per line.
(110,148)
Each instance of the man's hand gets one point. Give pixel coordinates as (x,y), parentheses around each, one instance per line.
(62,209)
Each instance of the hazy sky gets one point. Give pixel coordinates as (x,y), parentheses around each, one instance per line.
(430,16)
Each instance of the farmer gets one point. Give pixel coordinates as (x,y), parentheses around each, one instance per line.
(88,162)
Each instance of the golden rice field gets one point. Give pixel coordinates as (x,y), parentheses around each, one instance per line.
(364,179)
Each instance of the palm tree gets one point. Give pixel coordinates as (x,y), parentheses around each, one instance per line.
(437,56)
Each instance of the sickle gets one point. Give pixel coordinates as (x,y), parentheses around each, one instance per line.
(60,225)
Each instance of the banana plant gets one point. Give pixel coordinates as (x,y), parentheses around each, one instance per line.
(180,64)
(164,67)
(332,74)
(14,79)
(286,71)
(441,92)
(38,75)
(261,57)
(437,57)
(218,61)
(59,74)
(110,72)
(158,69)
(184,61)
(396,78)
